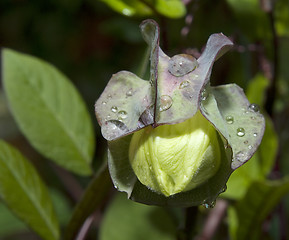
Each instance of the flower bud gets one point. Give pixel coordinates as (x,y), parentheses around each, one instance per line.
(174,158)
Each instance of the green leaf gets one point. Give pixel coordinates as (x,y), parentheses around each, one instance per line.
(8,127)
(250,212)
(25,194)
(240,122)
(126,220)
(129,7)
(170,8)
(256,90)
(282,18)
(49,111)
(9,223)
(62,206)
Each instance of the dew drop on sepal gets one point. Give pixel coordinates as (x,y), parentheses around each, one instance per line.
(166,102)
(229,119)
(240,132)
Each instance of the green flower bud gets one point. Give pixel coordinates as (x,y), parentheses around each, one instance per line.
(174,158)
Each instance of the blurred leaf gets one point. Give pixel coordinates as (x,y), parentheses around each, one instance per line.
(49,111)
(129,7)
(170,8)
(9,223)
(62,206)
(249,213)
(126,220)
(8,127)
(256,90)
(25,194)
(282,18)
(92,199)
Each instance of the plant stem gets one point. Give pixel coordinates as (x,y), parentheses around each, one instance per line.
(186,233)
(213,220)
(92,198)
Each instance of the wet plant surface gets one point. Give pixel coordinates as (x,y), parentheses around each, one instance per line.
(162,90)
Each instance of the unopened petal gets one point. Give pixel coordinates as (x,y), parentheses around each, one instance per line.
(173,158)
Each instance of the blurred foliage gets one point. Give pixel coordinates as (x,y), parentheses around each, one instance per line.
(89,40)
(136,221)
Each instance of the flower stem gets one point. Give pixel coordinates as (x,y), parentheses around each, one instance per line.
(187,232)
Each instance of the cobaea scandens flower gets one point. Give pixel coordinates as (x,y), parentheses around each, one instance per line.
(173,139)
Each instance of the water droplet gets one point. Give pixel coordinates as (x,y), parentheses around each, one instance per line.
(250,147)
(255,134)
(230,119)
(210,205)
(224,189)
(129,93)
(166,102)
(241,156)
(103,103)
(113,109)
(108,117)
(122,114)
(182,64)
(184,84)
(246,142)
(226,145)
(240,132)
(195,76)
(253,118)
(113,129)
(254,107)
(109,96)
(127,12)
(204,95)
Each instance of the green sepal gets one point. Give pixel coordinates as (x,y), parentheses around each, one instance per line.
(125,180)
(167,98)
(240,122)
